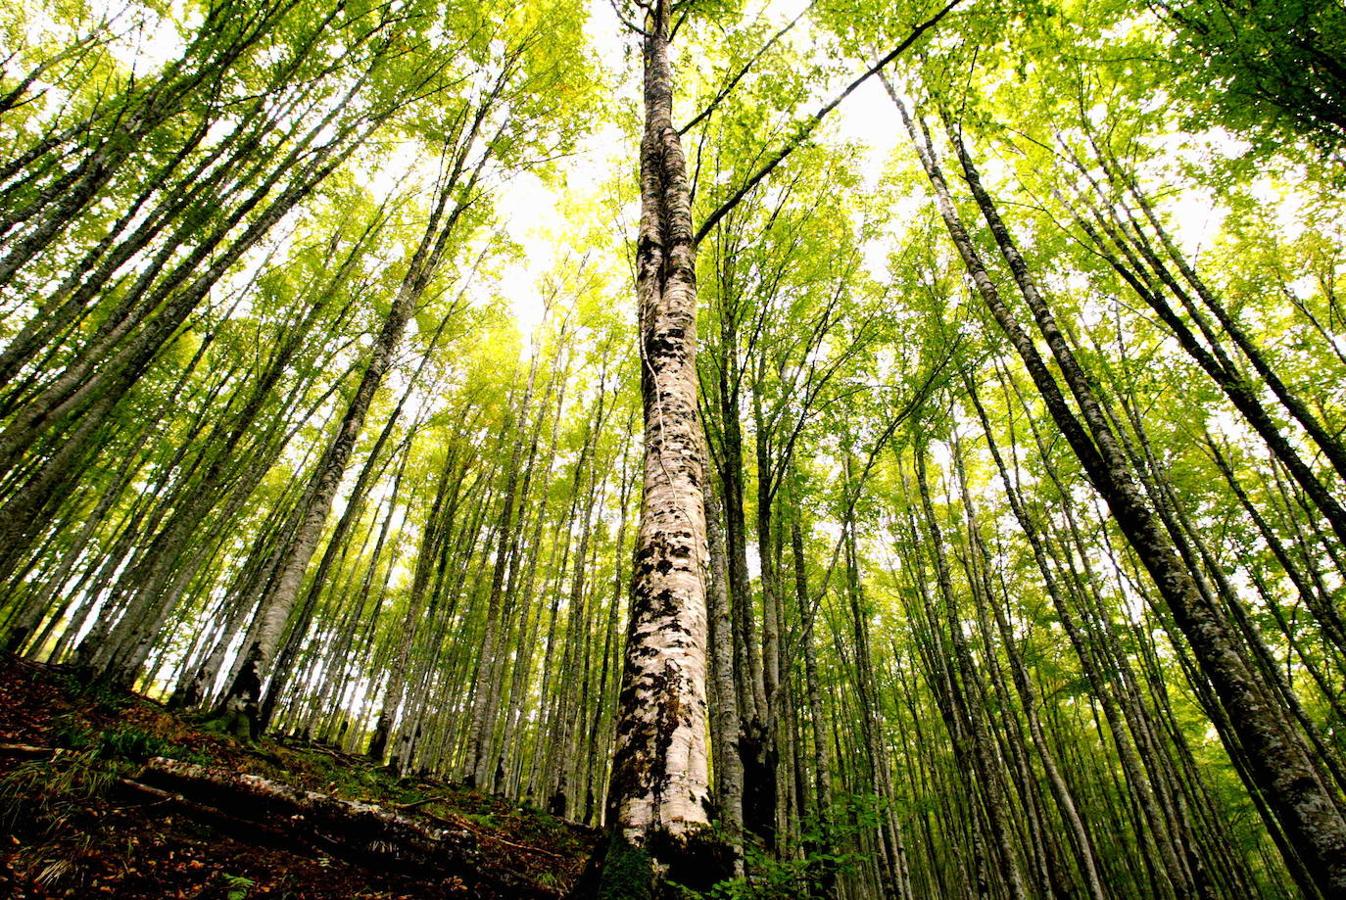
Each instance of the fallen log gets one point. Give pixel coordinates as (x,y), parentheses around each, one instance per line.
(145,795)
(353,830)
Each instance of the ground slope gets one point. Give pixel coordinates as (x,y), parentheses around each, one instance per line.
(108,794)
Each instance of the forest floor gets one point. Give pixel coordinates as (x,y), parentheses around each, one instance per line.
(108,794)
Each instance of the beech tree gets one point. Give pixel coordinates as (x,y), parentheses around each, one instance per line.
(956,507)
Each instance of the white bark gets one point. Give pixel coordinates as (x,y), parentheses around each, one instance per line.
(660,776)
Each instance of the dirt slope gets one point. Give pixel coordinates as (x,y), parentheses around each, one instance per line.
(110,795)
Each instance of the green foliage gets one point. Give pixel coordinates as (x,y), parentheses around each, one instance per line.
(131,744)
(1271,67)
(838,335)
(828,853)
(41,795)
(237,886)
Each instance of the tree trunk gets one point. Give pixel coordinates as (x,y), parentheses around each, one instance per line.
(1280,763)
(660,794)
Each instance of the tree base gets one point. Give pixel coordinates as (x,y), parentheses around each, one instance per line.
(234,720)
(659,870)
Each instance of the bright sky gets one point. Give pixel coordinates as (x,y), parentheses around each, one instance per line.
(528,208)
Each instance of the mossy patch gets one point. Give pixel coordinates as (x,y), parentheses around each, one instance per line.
(627,872)
(667,866)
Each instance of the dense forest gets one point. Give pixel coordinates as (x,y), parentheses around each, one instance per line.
(838,448)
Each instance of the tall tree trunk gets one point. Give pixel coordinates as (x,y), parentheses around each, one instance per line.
(1278,755)
(822,876)
(724,715)
(660,793)
(491,667)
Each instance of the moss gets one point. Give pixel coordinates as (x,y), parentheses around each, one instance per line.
(667,866)
(232,723)
(627,872)
(486,820)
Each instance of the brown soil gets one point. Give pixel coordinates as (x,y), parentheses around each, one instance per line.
(70,827)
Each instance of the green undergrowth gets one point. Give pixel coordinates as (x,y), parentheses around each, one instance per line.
(39,795)
(809,871)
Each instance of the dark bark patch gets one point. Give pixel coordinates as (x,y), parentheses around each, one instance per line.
(696,859)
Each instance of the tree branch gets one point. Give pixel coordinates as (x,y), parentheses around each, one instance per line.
(808,125)
(747,66)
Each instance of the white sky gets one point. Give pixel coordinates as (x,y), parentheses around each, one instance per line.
(529,209)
